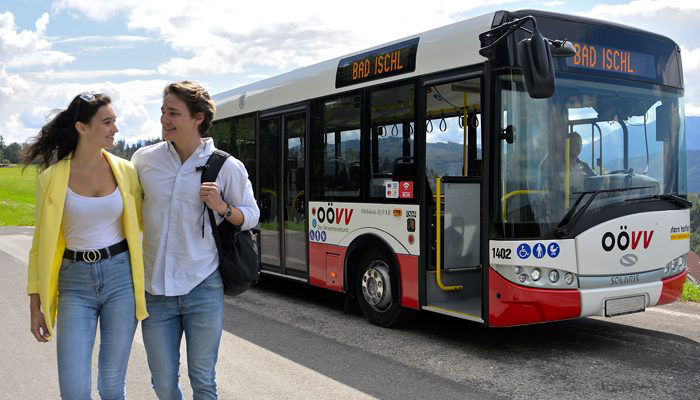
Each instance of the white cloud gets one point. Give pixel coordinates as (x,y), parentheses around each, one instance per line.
(87,75)
(27,48)
(215,37)
(98,10)
(97,38)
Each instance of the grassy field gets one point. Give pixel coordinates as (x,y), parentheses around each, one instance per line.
(17,192)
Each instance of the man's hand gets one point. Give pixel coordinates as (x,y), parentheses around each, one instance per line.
(211,196)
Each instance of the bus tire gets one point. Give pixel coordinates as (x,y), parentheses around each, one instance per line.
(377,290)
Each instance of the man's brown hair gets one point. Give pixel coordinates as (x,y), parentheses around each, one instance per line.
(197,100)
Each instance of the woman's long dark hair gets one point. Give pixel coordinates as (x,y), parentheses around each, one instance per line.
(59,138)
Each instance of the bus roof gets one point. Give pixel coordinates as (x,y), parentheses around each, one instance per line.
(448,47)
(439,49)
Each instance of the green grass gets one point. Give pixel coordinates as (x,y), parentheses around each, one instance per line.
(17,194)
(691,292)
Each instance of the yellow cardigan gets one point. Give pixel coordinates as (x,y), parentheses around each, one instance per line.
(49,244)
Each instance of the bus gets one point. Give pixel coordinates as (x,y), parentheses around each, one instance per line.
(509,169)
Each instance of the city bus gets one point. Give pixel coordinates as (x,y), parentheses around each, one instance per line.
(510,169)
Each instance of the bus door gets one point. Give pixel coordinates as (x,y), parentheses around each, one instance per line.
(294,228)
(453,204)
(282,196)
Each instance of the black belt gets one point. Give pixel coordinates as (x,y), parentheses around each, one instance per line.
(93,256)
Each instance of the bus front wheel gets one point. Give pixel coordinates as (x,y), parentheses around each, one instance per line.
(377,289)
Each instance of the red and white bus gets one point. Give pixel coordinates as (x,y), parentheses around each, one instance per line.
(486,170)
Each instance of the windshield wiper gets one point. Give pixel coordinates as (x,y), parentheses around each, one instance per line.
(575,213)
(670,197)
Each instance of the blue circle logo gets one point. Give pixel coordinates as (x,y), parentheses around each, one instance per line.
(523,251)
(539,250)
(553,250)
(313,222)
(323,236)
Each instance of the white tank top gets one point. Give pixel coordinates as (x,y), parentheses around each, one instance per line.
(92,222)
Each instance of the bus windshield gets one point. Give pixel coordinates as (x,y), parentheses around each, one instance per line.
(594,134)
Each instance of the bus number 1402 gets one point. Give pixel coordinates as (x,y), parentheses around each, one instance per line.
(503,254)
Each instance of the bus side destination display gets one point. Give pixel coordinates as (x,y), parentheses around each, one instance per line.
(399,58)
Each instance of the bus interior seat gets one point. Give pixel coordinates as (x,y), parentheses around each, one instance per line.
(404,169)
(336,174)
(355,175)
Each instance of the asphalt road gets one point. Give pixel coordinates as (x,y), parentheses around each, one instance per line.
(287,340)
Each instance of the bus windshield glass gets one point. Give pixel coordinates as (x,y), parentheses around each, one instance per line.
(592,135)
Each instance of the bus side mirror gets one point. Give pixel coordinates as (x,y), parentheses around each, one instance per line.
(535,58)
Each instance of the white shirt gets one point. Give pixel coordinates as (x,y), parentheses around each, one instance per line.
(176,256)
(92,222)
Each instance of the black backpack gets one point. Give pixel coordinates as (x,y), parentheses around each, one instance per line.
(239,263)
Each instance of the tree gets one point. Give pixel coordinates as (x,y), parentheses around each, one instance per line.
(13,152)
(695,225)
(2,147)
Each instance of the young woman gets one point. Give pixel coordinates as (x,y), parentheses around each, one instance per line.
(86,262)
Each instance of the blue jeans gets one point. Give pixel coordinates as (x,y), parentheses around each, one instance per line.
(199,314)
(101,291)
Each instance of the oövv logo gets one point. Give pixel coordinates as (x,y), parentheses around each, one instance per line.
(336,215)
(625,240)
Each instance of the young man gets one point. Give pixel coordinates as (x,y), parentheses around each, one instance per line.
(184,291)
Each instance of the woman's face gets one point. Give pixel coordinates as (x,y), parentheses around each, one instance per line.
(101,129)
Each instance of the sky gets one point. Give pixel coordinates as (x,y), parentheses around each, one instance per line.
(130,49)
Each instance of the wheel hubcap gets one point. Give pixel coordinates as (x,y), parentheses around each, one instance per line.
(376,286)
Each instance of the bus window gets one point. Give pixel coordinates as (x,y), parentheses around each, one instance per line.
(220,132)
(270,215)
(610,131)
(335,140)
(243,143)
(453,114)
(391,137)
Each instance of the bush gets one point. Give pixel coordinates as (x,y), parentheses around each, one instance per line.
(691,292)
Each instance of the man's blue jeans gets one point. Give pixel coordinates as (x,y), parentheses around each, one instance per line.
(199,314)
(101,291)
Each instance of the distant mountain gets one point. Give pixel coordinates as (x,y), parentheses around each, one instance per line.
(445,158)
(692,133)
(693,162)
(692,143)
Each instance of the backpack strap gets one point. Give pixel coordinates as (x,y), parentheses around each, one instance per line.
(211,169)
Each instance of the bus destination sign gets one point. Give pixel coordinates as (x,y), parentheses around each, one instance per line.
(396,59)
(610,59)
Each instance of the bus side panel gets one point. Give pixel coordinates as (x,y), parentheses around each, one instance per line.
(408,266)
(511,304)
(673,288)
(326,266)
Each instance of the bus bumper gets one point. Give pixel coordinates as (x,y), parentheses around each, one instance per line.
(511,304)
(673,288)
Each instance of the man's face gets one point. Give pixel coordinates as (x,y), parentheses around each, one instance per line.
(575,146)
(176,120)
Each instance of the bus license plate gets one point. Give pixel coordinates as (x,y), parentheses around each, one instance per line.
(625,305)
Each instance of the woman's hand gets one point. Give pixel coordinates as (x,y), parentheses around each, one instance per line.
(210,195)
(38,325)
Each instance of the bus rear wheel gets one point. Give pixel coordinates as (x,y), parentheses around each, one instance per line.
(377,290)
